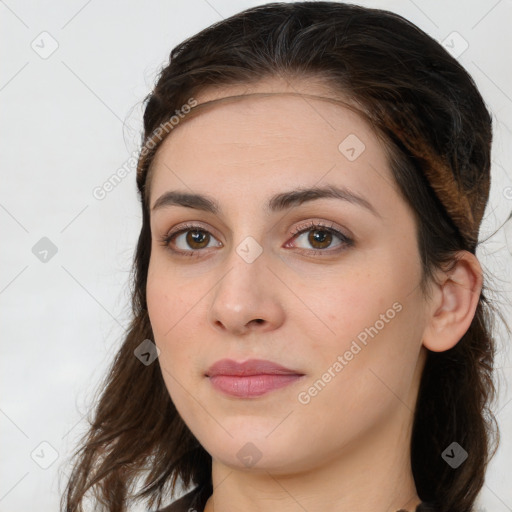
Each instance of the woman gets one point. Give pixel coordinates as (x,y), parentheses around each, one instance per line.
(310,328)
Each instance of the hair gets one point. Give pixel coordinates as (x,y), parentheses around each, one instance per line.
(137,446)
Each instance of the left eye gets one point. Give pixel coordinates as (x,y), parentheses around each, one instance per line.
(321,237)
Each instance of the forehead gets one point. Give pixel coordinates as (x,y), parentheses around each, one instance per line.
(319,108)
(270,140)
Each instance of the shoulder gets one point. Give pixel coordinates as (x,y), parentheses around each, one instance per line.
(184,504)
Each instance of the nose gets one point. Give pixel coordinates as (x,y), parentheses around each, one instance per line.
(246,299)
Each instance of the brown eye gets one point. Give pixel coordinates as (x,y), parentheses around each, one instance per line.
(319,238)
(197,239)
(189,240)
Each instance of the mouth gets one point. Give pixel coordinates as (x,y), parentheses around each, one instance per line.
(251,378)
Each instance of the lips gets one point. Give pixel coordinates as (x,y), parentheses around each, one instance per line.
(249,367)
(251,378)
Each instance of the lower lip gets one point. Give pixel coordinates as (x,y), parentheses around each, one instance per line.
(251,385)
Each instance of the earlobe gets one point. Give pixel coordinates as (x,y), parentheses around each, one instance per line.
(454,303)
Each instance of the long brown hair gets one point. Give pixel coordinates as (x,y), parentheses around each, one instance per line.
(137,446)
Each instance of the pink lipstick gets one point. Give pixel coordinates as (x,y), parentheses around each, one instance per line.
(251,378)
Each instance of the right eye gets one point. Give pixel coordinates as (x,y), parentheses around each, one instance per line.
(188,240)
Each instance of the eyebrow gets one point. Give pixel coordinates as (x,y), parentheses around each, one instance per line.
(277,203)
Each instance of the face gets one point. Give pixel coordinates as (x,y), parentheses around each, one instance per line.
(326,286)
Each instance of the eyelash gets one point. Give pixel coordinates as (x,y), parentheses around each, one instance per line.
(166,239)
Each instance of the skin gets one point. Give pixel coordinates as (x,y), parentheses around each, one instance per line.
(348,448)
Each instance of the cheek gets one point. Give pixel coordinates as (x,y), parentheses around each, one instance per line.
(170,310)
(356,300)
(375,319)
(373,360)
(167,303)
(159,304)
(165,309)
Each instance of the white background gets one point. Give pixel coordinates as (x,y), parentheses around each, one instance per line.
(68,122)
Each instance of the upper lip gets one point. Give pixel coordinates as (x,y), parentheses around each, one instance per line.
(249,367)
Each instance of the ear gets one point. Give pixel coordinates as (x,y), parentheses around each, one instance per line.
(453,304)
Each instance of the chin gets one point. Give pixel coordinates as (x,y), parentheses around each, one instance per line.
(250,444)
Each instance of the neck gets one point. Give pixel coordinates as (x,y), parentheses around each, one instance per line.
(371,475)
